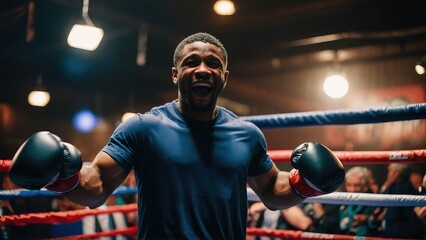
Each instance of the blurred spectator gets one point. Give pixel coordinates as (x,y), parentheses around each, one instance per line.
(421,211)
(292,218)
(356,219)
(400,222)
(324,216)
(23,206)
(373,185)
(416,179)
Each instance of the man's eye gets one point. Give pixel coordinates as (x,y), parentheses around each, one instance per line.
(191,63)
(215,64)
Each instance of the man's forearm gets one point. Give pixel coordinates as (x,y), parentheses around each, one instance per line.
(90,191)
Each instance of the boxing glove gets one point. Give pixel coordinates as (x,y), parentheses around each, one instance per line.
(317,170)
(43,160)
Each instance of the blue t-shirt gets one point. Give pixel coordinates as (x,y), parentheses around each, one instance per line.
(191,175)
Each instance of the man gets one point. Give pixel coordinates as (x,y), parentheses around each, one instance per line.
(359,220)
(400,222)
(192,159)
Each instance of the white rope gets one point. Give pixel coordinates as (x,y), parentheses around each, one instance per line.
(365,199)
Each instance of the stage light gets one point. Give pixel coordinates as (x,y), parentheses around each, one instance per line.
(87,36)
(39,97)
(85,120)
(224,7)
(420,68)
(336,86)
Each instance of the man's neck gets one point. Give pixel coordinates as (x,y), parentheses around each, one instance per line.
(195,115)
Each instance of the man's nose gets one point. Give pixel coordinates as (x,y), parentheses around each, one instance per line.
(203,70)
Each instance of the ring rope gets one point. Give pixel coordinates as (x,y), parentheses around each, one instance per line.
(365,199)
(339,117)
(63,217)
(24,193)
(342,198)
(129,231)
(293,234)
(363,157)
(75,215)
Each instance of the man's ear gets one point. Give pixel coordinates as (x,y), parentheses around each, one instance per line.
(225,79)
(174,75)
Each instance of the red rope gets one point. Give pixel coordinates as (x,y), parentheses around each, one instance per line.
(349,157)
(130,231)
(363,157)
(71,216)
(63,217)
(291,234)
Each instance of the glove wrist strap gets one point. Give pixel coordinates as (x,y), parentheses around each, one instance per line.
(302,187)
(65,185)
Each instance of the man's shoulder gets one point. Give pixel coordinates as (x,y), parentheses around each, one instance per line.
(165,108)
(160,114)
(232,118)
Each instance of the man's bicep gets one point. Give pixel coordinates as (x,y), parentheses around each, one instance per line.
(263,184)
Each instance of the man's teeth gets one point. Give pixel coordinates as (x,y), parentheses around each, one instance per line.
(202,85)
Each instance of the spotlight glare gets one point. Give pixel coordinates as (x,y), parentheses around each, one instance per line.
(420,69)
(224,7)
(38,98)
(85,121)
(336,86)
(85,37)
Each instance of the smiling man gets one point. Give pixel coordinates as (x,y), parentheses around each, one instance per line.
(192,159)
(201,75)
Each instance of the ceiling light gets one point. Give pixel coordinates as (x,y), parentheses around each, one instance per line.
(87,36)
(224,7)
(420,68)
(39,97)
(336,86)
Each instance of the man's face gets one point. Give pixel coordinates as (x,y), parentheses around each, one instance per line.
(200,75)
(355,184)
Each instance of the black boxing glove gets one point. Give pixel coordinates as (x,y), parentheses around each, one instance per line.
(317,170)
(43,160)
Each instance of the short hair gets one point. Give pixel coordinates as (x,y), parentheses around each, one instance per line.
(199,37)
(360,172)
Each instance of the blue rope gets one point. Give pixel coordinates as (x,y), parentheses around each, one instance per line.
(340,117)
(23,193)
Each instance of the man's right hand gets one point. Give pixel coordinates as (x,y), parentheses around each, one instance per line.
(43,160)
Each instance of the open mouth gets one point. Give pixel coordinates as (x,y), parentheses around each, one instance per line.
(202,89)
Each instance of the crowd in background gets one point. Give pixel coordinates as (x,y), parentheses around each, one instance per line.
(87,225)
(357,220)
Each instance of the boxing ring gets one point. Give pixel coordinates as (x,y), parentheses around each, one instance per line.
(303,119)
